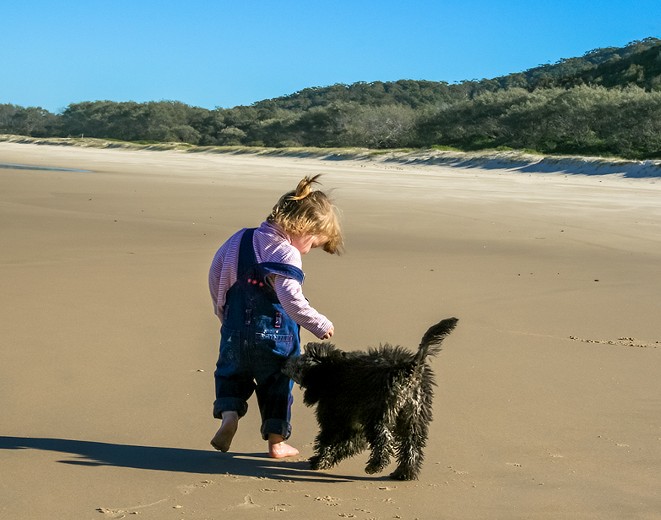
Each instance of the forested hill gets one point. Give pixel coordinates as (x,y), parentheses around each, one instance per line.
(606,102)
(638,63)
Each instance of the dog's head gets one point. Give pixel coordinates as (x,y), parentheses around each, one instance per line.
(299,368)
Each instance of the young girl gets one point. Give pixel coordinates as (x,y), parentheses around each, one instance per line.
(255,282)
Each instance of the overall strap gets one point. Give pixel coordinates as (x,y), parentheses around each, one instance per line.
(286,270)
(247,257)
(248,260)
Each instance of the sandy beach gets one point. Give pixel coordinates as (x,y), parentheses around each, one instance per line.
(548,403)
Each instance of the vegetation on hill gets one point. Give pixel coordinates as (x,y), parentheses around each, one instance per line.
(607,102)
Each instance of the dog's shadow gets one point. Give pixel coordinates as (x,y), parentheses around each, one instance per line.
(180,460)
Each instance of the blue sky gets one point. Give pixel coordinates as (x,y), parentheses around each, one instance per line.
(228,53)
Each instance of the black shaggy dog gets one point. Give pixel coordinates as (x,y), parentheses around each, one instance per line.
(381,399)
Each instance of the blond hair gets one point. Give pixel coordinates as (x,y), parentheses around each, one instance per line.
(305,211)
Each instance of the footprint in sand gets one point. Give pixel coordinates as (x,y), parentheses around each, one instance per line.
(248,503)
(328,500)
(121,513)
(187,489)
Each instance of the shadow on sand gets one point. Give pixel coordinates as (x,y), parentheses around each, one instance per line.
(88,453)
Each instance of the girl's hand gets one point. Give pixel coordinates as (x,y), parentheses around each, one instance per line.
(329,334)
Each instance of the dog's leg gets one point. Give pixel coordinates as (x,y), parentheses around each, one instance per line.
(411,438)
(380,439)
(331,448)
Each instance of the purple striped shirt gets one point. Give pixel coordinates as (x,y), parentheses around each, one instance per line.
(271,244)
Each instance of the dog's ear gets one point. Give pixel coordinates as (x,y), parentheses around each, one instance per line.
(317,352)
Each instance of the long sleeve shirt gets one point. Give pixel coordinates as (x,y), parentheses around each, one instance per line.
(271,244)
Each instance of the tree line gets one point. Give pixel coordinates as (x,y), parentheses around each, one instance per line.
(607,102)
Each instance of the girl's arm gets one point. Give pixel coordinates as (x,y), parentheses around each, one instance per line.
(290,294)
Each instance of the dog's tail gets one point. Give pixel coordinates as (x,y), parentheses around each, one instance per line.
(430,345)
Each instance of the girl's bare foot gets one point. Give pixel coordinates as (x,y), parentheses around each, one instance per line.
(279,449)
(223,438)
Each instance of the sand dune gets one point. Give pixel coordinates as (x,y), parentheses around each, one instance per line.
(547,403)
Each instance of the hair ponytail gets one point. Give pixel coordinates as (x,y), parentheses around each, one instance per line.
(304,187)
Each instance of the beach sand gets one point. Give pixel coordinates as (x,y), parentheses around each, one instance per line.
(548,402)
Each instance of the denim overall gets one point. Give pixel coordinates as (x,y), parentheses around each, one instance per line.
(256,338)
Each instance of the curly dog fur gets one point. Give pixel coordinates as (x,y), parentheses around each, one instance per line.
(381,399)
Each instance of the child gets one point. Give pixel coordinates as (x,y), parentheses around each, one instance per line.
(255,282)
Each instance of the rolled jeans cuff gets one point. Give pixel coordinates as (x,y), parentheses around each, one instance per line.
(277,427)
(229,404)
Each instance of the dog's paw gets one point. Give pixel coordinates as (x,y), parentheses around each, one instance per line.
(316,462)
(371,469)
(401,474)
